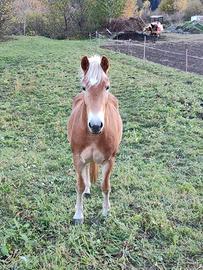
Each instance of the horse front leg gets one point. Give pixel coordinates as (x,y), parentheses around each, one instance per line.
(78,217)
(87,181)
(107,167)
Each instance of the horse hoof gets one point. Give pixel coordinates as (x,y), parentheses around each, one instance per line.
(105,214)
(78,221)
(87,195)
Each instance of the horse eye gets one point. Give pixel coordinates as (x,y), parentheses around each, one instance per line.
(83,88)
(107,88)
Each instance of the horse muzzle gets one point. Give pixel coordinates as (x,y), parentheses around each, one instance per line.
(95,128)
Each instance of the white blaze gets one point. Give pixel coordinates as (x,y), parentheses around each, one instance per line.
(95,118)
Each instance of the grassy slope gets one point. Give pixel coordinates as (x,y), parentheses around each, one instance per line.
(155,221)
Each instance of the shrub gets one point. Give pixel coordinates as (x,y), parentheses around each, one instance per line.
(5,16)
(36,24)
(167,6)
(180,5)
(194,7)
(174,18)
(145,11)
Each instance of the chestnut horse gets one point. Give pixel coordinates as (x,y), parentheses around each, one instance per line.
(94,131)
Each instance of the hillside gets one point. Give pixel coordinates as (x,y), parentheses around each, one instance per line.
(156,198)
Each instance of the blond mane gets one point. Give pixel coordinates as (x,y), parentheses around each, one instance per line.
(95,73)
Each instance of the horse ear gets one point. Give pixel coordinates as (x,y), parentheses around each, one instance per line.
(105,63)
(85,64)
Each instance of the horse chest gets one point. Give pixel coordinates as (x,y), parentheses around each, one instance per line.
(92,153)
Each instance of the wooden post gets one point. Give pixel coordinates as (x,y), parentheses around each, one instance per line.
(186,60)
(99,40)
(24,26)
(144,53)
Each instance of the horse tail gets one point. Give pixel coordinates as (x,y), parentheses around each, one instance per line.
(94,169)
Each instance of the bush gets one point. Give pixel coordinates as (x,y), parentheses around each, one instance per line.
(174,18)
(145,11)
(194,7)
(181,5)
(167,6)
(5,16)
(36,24)
(47,25)
(55,27)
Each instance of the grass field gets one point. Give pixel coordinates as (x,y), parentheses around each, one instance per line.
(156,214)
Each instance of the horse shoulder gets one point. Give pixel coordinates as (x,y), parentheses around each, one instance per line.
(77,102)
(113,117)
(113,100)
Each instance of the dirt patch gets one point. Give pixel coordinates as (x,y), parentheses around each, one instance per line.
(169,53)
(131,24)
(138,36)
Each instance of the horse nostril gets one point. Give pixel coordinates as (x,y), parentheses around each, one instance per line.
(95,127)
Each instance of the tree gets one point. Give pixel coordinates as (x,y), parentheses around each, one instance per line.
(104,11)
(171,6)
(58,12)
(70,17)
(145,11)
(23,8)
(63,18)
(194,7)
(130,8)
(167,6)
(180,5)
(79,15)
(5,14)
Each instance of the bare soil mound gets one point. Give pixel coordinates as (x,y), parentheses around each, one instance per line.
(132,24)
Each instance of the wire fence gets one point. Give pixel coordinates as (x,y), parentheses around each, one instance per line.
(146,50)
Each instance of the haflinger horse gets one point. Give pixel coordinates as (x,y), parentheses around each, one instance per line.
(94,131)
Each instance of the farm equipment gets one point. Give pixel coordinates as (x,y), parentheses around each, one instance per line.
(157,18)
(135,29)
(195,27)
(154,29)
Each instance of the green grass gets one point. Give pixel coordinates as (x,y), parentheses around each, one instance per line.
(155,220)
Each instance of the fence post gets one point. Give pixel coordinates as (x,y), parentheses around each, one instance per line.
(144,53)
(186,59)
(99,40)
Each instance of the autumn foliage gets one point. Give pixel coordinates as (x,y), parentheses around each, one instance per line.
(5,14)
(73,18)
(129,9)
(171,6)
